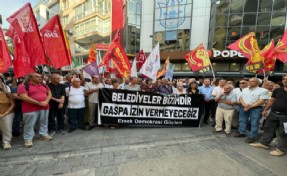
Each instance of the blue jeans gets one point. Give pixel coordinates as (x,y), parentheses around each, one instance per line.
(255,116)
(76,118)
(30,120)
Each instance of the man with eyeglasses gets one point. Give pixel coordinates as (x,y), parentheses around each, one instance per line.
(252,100)
(235,119)
(277,118)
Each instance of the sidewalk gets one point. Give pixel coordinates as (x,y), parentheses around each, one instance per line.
(141,152)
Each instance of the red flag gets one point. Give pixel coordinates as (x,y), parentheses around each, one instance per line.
(54,43)
(28,31)
(280,50)
(267,51)
(22,62)
(140,60)
(5,59)
(198,58)
(123,60)
(92,55)
(107,56)
(243,45)
(10,32)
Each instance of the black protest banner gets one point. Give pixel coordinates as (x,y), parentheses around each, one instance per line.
(141,108)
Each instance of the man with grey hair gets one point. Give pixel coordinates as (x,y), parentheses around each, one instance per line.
(252,100)
(225,109)
(165,88)
(76,105)
(133,85)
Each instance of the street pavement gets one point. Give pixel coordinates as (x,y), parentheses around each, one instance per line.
(141,152)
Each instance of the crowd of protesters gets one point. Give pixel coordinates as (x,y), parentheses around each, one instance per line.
(42,103)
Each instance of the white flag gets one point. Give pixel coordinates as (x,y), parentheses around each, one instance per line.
(152,64)
(134,72)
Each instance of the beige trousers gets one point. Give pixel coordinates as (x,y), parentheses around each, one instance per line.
(226,115)
(6,127)
(93,109)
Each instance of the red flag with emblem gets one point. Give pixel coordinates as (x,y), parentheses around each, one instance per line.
(140,59)
(54,43)
(243,45)
(280,50)
(5,58)
(123,61)
(27,29)
(198,58)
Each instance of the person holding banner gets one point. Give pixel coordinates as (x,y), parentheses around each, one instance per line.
(179,89)
(92,91)
(192,88)
(148,87)
(165,88)
(133,85)
(252,100)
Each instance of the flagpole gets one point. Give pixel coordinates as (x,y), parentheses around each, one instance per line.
(212,71)
(264,74)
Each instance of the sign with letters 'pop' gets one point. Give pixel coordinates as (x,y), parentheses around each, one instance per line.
(125,107)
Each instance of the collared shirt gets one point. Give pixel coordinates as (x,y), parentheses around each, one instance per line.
(231,97)
(217,91)
(36,91)
(57,92)
(134,88)
(207,91)
(251,96)
(93,97)
(76,97)
(165,90)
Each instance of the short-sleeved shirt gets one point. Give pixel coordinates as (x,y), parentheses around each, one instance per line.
(76,97)
(93,97)
(231,97)
(134,88)
(217,91)
(280,102)
(57,92)
(38,92)
(207,91)
(251,96)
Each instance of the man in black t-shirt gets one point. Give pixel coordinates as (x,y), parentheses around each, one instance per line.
(277,118)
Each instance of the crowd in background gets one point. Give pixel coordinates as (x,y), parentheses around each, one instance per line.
(42,103)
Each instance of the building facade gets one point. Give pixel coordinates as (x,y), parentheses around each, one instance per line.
(181,25)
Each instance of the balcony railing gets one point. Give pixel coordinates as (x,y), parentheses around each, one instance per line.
(92,11)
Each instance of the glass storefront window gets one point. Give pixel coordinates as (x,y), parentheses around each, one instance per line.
(264,18)
(279,5)
(285,67)
(220,66)
(221,19)
(278,19)
(234,67)
(186,67)
(276,32)
(177,67)
(237,6)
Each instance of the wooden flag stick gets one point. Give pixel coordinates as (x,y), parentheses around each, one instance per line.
(264,73)
(212,71)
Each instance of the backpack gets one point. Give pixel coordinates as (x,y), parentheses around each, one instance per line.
(27,86)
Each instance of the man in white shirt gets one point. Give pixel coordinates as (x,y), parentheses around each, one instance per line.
(133,85)
(92,91)
(252,100)
(217,91)
(76,105)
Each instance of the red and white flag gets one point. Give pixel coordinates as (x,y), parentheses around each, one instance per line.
(54,43)
(140,60)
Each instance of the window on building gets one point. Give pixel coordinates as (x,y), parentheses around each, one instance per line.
(173,23)
(233,19)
